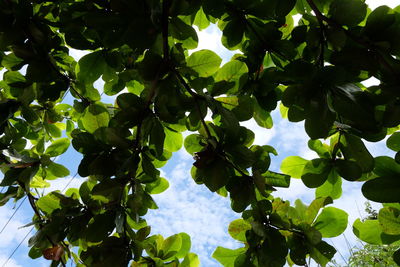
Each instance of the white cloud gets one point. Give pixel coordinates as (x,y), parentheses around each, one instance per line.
(262,136)
(191,208)
(297,190)
(352,201)
(64,183)
(77,54)
(13,233)
(10,263)
(210,39)
(379,148)
(290,136)
(188,207)
(376,3)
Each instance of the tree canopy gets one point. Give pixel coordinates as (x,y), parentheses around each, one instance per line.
(312,71)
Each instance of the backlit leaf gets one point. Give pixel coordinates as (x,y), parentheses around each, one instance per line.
(204,62)
(58,147)
(331,222)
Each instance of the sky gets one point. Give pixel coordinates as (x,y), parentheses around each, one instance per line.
(191,208)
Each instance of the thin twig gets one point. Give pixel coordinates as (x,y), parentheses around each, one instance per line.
(195,98)
(32,202)
(164,22)
(225,158)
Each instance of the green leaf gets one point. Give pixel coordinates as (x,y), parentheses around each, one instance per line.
(185,247)
(90,67)
(204,62)
(94,117)
(53,130)
(201,20)
(173,140)
(396,256)
(386,166)
(7,195)
(322,253)
(49,203)
(262,117)
(316,172)
(354,149)
(348,13)
(183,32)
(347,169)
(190,260)
(393,142)
(315,206)
(193,143)
(57,170)
(263,160)
(320,148)
(319,120)
(100,227)
(383,189)
(370,231)
(171,246)
(232,34)
(215,175)
(241,191)
(11,60)
(158,186)
(273,250)
(331,222)
(277,179)
(227,256)
(293,166)
(389,218)
(157,138)
(237,229)
(331,188)
(232,72)
(58,147)
(107,191)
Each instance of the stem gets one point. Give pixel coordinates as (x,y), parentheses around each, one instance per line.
(321,58)
(164,21)
(225,158)
(32,200)
(165,7)
(195,98)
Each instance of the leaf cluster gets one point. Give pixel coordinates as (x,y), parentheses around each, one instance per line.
(140,51)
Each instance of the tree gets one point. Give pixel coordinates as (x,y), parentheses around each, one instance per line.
(371,255)
(314,71)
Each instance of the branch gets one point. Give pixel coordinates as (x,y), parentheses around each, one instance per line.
(321,59)
(164,22)
(32,200)
(195,98)
(226,159)
(51,62)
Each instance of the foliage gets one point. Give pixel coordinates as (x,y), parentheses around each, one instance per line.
(140,50)
(373,255)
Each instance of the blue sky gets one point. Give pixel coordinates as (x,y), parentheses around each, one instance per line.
(188,207)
